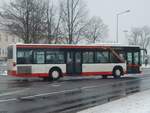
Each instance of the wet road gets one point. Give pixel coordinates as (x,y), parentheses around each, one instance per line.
(65,95)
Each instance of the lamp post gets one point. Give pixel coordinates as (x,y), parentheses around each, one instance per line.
(118,14)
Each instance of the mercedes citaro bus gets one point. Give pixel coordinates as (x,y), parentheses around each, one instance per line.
(55,61)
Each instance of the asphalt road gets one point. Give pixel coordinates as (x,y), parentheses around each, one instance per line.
(66,95)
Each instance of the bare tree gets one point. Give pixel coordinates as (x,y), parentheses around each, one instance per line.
(134,36)
(96,30)
(53,22)
(37,21)
(24,18)
(73,19)
(33,20)
(140,36)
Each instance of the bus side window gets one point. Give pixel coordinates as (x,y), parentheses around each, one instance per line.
(28,57)
(50,57)
(113,59)
(102,57)
(20,57)
(88,57)
(122,56)
(39,57)
(55,57)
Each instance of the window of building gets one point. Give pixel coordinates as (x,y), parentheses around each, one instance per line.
(0,38)
(13,39)
(6,39)
(0,51)
(19,40)
(10,52)
(3,51)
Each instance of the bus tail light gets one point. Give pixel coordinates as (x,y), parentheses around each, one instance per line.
(14,64)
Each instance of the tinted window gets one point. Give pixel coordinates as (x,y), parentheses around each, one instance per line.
(122,56)
(88,57)
(39,57)
(129,58)
(24,57)
(114,59)
(136,57)
(102,57)
(55,57)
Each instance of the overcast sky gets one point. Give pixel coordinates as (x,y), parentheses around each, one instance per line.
(107,10)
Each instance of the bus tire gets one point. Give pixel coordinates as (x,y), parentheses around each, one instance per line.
(55,73)
(117,72)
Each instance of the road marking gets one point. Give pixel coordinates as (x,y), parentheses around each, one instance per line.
(64,91)
(38,95)
(56,85)
(13,92)
(8,100)
(52,93)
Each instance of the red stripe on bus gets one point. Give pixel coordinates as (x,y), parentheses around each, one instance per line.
(133,65)
(61,46)
(96,73)
(13,73)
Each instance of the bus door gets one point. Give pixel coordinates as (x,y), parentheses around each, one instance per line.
(77,63)
(133,62)
(74,65)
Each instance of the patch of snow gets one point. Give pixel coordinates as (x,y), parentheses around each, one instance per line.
(137,103)
(3,73)
(145,66)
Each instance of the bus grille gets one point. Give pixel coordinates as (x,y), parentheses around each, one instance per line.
(24,70)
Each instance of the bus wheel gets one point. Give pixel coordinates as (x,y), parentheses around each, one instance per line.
(104,76)
(55,73)
(117,72)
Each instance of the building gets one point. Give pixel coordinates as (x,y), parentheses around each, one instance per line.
(6,39)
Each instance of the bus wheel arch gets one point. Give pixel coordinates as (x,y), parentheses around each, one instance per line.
(117,71)
(55,73)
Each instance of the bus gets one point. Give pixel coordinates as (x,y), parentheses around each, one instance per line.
(56,61)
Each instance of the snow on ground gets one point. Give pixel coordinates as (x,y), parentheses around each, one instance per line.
(145,66)
(137,103)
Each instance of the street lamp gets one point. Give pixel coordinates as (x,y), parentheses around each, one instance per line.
(118,14)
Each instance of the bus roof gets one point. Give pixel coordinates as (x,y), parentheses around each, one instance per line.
(77,46)
(97,44)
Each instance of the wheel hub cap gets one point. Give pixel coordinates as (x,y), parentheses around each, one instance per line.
(55,74)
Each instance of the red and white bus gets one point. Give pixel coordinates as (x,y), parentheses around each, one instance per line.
(55,61)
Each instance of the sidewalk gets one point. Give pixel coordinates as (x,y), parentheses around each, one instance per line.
(136,103)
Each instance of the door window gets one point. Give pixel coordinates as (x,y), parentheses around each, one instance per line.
(136,57)
(129,58)
(78,57)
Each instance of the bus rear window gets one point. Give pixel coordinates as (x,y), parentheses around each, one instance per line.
(10,52)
